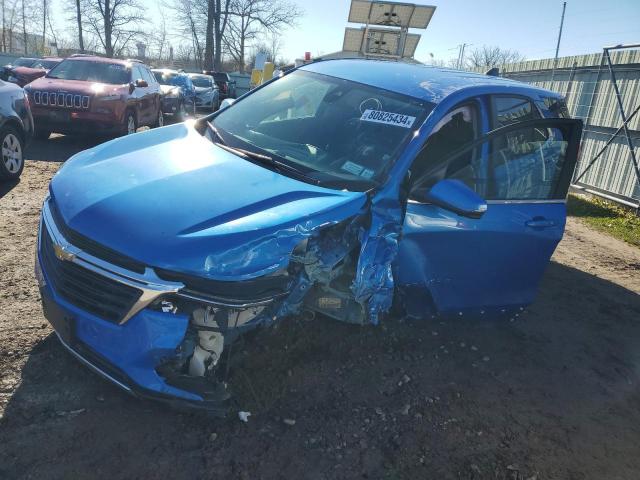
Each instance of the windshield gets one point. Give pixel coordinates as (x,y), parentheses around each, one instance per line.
(220,77)
(327,127)
(24,62)
(166,78)
(47,64)
(89,71)
(201,81)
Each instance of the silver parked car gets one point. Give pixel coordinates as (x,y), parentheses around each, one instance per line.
(207,93)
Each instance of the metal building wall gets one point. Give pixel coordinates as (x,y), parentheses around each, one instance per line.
(591,97)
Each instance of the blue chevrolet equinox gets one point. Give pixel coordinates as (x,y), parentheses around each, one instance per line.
(353,189)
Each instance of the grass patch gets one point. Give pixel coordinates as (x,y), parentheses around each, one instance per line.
(616,221)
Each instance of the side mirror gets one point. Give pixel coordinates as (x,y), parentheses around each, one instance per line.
(140,83)
(227,102)
(455,196)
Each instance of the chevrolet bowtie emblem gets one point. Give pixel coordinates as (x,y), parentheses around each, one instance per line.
(62,253)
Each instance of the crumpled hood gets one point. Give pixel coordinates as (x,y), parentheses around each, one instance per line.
(172,199)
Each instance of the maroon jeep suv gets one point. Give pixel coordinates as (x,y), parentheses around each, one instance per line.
(95,95)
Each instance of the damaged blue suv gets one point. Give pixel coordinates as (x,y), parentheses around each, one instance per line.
(346,187)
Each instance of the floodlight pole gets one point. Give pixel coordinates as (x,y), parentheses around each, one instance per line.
(555,59)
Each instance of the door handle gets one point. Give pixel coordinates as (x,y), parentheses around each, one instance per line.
(540,223)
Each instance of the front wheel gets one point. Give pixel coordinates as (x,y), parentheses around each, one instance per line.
(160,120)
(12,153)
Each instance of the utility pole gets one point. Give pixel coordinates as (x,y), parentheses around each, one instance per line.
(555,60)
(460,61)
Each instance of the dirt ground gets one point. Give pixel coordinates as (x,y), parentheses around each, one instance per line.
(553,394)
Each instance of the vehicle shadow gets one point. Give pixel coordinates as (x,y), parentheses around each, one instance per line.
(7,186)
(58,148)
(554,390)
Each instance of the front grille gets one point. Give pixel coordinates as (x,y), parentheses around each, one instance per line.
(87,290)
(60,99)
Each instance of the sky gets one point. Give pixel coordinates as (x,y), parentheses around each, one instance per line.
(528,26)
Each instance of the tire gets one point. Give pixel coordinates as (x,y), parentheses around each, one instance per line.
(130,122)
(181,113)
(41,134)
(160,120)
(12,154)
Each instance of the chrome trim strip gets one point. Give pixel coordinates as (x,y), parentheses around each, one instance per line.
(93,367)
(500,202)
(495,202)
(228,304)
(151,286)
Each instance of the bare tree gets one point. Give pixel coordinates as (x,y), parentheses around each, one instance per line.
(114,22)
(217,19)
(79,20)
(490,57)
(191,21)
(250,18)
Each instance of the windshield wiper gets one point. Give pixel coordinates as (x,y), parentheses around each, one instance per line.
(216,133)
(269,161)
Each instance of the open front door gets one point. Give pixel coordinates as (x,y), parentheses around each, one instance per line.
(495,262)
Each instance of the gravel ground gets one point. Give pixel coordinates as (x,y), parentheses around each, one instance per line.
(552,394)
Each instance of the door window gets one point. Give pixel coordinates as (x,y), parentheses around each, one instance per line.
(509,110)
(136,74)
(146,75)
(456,129)
(531,160)
(526,163)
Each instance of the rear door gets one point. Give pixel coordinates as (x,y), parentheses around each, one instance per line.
(492,263)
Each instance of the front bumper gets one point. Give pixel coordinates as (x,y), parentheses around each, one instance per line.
(127,354)
(70,122)
(171,105)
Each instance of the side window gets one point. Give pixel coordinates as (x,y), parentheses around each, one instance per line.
(146,74)
(557,107)
(136,74)
(456,129)
(531,160)
(508,110)
(526,163)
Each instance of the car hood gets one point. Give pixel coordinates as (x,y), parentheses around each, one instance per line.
(164,89)
(201,90)
(79,87)
(170,198)
(28,71)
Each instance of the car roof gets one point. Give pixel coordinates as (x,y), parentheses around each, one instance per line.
(167,70)
(424,82)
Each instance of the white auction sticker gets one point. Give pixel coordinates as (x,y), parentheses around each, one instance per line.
(388,118)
